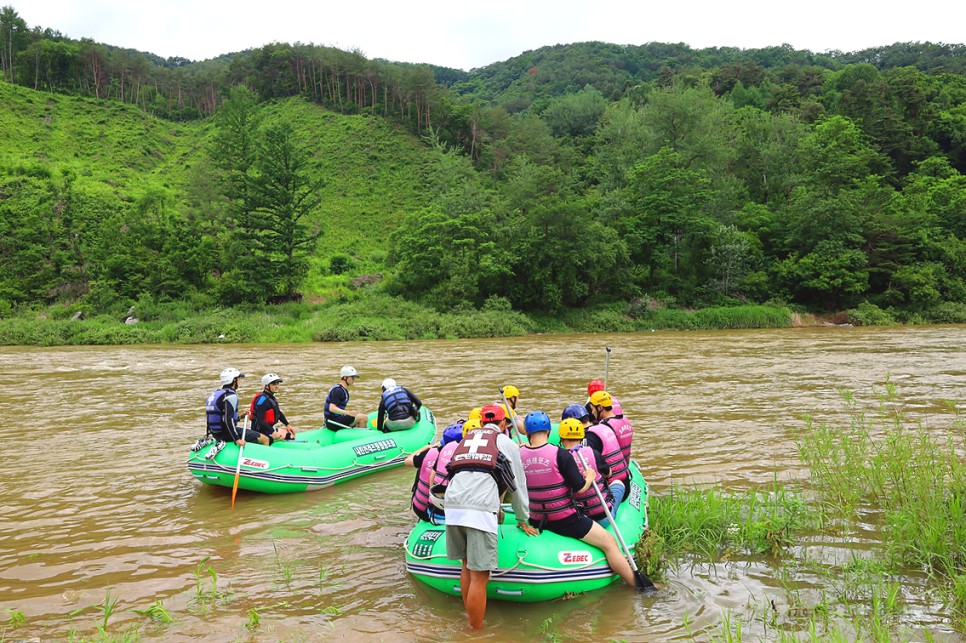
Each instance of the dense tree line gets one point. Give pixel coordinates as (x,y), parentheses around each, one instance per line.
(569,175)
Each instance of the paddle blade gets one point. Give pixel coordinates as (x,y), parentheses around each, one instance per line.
(234,490)
(643,583)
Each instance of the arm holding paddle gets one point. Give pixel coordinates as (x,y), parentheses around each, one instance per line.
(642,582)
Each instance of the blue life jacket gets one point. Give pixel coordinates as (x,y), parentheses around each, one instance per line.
(213,414)
(397,403)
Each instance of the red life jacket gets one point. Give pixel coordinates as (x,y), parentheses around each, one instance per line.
(269,414)
(550,497)
(477,451)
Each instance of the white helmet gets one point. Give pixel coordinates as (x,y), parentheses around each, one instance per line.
(348,371)
(270,378)
(229,374)
(388,383)
(437,496)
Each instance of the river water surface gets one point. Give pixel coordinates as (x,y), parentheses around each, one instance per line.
(96,497)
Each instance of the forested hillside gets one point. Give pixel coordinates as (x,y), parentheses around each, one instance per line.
(571,176)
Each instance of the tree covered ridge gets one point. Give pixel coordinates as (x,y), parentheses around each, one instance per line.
(569,176)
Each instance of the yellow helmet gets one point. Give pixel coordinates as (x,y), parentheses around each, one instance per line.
(511,391)
(476,413)
(470,424)
(601,398)
(571,429)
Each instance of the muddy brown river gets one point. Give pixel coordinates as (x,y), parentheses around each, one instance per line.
(97,501)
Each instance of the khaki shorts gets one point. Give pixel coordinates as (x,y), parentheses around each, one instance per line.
(477,548)
(400,425)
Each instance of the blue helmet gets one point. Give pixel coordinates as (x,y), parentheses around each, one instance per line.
(536,421)
(577,411)
(453,432)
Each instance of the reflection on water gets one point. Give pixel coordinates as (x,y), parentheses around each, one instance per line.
(105,503)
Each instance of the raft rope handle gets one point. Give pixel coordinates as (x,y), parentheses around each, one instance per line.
(520,561)
(355,464)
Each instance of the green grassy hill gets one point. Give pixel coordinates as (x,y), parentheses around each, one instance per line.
(372,170)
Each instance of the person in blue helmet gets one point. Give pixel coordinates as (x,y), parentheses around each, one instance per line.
(553,479)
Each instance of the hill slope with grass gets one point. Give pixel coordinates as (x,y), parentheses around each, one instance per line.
(94,170)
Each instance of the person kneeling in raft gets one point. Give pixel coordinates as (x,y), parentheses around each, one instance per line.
(552,480)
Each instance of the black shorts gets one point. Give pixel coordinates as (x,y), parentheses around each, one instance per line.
(575,527)
(347,420)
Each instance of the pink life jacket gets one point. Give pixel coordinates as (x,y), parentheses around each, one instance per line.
(550,497)
(421,492)
(445,455)
(588,499)
(624,431)
(612,452)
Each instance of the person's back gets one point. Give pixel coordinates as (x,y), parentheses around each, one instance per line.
(398,407)
(571,433)
(555,470)
(472,502)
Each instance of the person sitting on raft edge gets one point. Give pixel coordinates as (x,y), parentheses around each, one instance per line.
(265,412)
(221,417)
(425,461)
(336,408)
(398,407)
(552,480)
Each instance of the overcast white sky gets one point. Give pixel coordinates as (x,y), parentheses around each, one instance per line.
(464,35)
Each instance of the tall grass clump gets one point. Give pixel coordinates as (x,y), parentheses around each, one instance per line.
(912,475)
(711,524)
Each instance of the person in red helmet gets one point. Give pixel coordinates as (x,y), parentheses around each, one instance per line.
(484,465)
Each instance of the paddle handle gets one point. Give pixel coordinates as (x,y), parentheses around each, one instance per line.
(610,516)
(606,364)
(513,417)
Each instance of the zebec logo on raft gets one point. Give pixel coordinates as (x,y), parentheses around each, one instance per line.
(574,557)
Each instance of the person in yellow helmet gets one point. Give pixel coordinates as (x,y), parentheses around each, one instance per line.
(571,433)
(512,396)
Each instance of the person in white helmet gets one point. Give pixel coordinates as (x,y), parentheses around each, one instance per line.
(265,412)
(221,409)
(398,407)
(336,409)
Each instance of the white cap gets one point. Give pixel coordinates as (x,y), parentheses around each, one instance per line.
(269,378)
(388,383)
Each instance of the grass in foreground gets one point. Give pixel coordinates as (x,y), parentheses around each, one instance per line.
(881,468)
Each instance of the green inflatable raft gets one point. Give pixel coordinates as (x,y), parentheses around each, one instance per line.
(531,568)
(314,460)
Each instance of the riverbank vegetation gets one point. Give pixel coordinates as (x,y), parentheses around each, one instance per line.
(569,181)
(363,317)
(876,527)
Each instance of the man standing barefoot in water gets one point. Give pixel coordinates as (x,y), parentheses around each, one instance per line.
(484,464)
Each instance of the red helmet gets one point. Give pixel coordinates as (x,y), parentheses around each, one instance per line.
(594,386)
(492,413)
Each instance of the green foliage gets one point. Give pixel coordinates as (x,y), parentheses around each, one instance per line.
(564,176)
(868,314)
